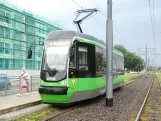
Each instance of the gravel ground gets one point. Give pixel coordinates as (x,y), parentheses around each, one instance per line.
(152,110)
(127,103)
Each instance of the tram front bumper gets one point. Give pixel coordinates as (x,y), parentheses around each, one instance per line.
(53,90)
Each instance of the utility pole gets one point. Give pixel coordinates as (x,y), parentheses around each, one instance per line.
(139,65)
(109,55)
(146,58)
(146,51)
(148,66)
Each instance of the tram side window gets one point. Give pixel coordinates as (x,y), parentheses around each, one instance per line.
(120,63)
(117,58)
(123,64)
(99,62)
(114,64)
(83,65)
(72,63)
(104,60)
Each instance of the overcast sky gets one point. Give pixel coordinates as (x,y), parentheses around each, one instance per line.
(131,19)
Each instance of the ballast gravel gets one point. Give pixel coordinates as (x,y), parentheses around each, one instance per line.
(126,104)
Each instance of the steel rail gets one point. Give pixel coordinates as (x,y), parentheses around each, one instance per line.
(143,104)
(131,80)
(65,111)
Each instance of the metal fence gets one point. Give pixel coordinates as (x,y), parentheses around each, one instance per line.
(10,85)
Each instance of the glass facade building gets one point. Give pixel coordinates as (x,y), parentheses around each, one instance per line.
(18,30)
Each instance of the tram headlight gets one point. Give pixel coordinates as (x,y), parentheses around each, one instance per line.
(51,78)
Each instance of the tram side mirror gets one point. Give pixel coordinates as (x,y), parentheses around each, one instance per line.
(30,53)
(72,52)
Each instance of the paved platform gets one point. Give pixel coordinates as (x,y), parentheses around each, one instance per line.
(13,102)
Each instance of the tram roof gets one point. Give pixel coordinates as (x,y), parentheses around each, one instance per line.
(68,34)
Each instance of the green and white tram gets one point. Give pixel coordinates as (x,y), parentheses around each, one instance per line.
(73,68)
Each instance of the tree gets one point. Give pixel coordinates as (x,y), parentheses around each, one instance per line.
(131,60)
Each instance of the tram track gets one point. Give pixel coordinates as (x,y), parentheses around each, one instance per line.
(121,98)
(144,102)
(60,113)
(131,80)
(152,111)
(77,105)
(86,101)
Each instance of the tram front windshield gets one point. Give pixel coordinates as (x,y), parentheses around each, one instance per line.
(55,57)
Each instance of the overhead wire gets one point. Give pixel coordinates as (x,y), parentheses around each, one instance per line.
(123,42)
(154,28)
(113,27)
(91,16)
(153,16)
(122,37)
(103,25)
(99,9)
(152,21)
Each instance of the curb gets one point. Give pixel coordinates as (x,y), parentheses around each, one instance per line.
(21,106)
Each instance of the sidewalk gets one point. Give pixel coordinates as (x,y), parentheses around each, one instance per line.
(13,102)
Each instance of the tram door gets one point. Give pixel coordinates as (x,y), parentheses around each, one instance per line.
(86,68)
(83,61)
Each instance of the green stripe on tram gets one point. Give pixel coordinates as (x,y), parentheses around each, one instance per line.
(94,43)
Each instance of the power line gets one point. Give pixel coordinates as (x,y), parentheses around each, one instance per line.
(122,37)
(99,9)
(153,28)
(125,44)
(154,17)
(113,27)
(91,16)
(77,4)
(154,24)
(101,24)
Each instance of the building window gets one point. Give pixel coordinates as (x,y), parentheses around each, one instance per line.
(1,31)
(7,63)
(1,62)
(39,54)
(1,47)
(43,30)
(7,33)
(1,19)
(7,50)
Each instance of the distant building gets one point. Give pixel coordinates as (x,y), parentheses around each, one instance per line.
(18,30)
